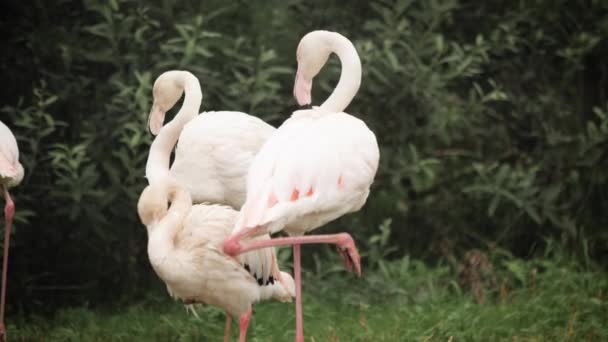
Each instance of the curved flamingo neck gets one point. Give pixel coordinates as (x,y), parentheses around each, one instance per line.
(350,76)
(161,239)
(157,166)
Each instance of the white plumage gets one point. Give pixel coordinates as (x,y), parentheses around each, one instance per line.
(11,171)
(185,250)
(214,149)
(320,163)
(316,167)
(213,155)
(213,152)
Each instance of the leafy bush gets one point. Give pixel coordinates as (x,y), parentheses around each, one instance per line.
(492,119)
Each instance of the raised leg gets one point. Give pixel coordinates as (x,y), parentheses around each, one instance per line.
(298,278)
(343,241)
(9,212)
(243,325)
(227,329)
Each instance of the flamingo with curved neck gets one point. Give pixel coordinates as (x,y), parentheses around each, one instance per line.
(316,167)
(214,149)
(184,248)
(168,89)
(211,161)
(313,51)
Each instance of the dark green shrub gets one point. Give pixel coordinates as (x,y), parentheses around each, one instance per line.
(492,120)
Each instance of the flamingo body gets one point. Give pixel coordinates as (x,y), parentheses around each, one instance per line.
(185,250)
(317,167)
(212,156)
(214,153)
(214,149)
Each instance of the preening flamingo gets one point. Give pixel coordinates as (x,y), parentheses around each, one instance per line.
(11,174)
(316,167)
(215,149)
(212,158)
(185,250)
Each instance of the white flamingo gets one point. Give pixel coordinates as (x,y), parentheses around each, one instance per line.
(215,149)
(206,139)
(11,174)
(316,167)
(185,250)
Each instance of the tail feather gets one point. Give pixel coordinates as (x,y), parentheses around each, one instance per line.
(260,262)
(283,290)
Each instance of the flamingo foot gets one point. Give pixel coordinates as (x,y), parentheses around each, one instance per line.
(2,332)
(343,241)
(349,253)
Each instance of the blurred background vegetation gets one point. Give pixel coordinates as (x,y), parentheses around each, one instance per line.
(492,118)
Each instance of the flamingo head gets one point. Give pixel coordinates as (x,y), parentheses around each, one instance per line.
(312,53)
(152,205)
(167,90)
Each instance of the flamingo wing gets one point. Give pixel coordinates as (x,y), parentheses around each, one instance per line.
(314,163)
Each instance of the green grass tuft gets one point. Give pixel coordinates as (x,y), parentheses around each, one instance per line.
(552,299)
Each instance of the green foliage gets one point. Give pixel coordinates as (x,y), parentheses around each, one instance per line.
(549,299)
(492,119)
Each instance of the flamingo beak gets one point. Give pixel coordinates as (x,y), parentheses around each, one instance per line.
(302,88)
(156,119)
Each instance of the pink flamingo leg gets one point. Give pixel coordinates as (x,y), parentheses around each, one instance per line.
(227,329)
(243,325)
(9,212)
(343,241)
(298,279)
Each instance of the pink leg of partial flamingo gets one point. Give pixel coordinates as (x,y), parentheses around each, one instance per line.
(243,325)
(343,241)
(227,329)
(9,212)
(298,279)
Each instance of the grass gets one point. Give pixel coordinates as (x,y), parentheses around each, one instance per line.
(547,299)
